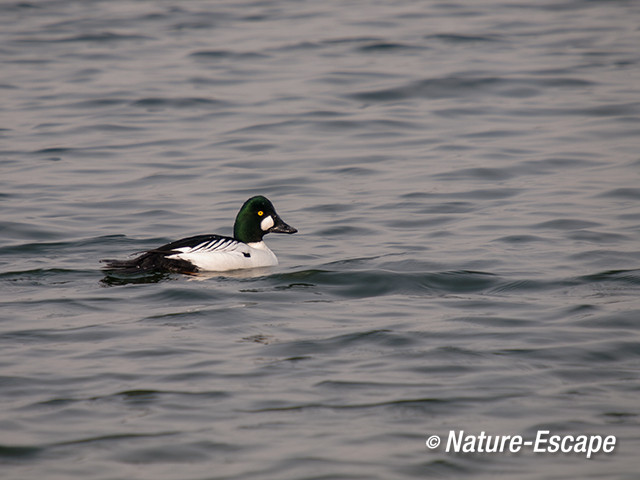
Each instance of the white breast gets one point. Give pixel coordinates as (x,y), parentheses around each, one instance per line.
(232,258)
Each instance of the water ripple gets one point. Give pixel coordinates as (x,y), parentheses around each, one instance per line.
(460,86)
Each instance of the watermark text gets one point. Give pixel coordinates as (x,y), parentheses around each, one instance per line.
(544,442)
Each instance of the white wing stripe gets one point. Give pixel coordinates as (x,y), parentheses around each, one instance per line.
(217,245)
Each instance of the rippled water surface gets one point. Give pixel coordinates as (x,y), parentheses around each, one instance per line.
(465,180)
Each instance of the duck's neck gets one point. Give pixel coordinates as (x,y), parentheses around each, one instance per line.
(245,231)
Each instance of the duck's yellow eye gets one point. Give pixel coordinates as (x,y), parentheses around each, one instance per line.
(260,213)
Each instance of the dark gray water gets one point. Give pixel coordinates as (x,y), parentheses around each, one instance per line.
(465,179)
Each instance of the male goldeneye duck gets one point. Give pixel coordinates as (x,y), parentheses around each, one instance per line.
(216,253)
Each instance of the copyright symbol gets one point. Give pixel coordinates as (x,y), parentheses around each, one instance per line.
(433,442)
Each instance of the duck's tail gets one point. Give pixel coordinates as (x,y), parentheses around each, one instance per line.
(150,262)
(122,265)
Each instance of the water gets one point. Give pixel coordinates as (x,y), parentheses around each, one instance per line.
(464,177)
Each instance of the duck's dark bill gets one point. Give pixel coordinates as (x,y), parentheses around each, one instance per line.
(281,227)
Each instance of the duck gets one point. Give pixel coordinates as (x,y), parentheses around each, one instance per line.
(216,253)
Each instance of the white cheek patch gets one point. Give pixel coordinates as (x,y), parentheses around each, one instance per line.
(266,223)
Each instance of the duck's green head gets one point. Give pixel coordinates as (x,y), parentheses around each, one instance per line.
(256,218)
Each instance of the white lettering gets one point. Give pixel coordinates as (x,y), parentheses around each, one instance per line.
(481,438)
(588,445)
(469,444)
(563,445)
(515,445)
(594,449)
(581,444)
(554,444)
(609,444)
(457,442)
(539,440)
